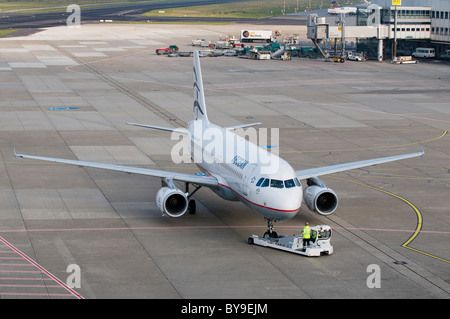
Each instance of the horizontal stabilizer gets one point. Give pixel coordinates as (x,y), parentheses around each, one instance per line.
(235,127)
(162,128)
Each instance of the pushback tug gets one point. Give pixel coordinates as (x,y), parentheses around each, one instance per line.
(319,243)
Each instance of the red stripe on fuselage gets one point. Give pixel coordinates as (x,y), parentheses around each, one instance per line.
(275,209)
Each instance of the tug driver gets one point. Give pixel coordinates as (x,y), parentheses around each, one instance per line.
(306,235)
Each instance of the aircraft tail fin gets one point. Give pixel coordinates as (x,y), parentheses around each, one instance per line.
(199,94)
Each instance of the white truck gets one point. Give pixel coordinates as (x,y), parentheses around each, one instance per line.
(257,36)
(201,42)
(353,56)
(319,243)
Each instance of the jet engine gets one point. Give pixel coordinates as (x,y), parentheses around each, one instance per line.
(319,198)
(172,201)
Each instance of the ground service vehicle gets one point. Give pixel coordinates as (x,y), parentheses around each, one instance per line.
(424,53)
(256,36)
(353,56)
(339,59)
(446,55)
(171,49)
(201,42)
(318,246)
(404,60)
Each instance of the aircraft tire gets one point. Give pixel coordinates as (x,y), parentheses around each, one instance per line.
(192,207)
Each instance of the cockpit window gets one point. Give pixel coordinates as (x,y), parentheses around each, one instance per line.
(265,183)
(289,183)
(276,183)
(260,181)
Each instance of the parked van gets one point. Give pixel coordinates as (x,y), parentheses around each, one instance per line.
(446,55)
(424,53)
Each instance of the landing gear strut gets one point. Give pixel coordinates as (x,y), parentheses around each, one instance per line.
(270,233)
(192,207)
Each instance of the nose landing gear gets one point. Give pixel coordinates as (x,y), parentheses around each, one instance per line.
(270,233)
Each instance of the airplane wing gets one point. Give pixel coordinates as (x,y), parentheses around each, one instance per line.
(325,170)
(202,180)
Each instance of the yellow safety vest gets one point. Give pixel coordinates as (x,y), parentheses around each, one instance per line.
(307,232)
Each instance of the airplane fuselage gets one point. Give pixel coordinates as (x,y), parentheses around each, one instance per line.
(273,191)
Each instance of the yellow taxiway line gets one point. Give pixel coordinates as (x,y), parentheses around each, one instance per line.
(417,212)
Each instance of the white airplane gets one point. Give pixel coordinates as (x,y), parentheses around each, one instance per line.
(276,195)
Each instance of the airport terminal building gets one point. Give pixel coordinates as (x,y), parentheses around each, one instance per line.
(419,22)
(413,24)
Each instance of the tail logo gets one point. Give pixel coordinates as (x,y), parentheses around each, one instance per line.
(197,107)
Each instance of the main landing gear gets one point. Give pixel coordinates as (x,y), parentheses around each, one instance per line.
(270,233)
(192,207)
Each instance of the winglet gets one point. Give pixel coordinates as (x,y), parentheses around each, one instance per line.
(422,151)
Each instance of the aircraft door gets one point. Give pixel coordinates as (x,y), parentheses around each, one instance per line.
(248,178)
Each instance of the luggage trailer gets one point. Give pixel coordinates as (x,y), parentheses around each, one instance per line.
(319,243)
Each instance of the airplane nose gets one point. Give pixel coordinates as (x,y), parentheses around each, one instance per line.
(288,203)
(287,215)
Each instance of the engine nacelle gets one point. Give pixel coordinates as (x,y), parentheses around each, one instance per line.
(172,201)
(321,200)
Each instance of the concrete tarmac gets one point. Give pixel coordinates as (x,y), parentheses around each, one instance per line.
(69,92)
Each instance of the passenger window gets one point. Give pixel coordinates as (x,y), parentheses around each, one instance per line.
(260,181)
(276,183)
(265,183)
(289,183)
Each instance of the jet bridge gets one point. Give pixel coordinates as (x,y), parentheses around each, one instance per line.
(318,30)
